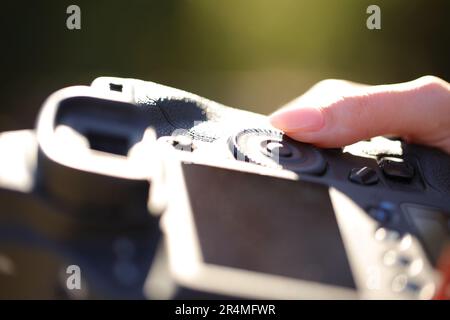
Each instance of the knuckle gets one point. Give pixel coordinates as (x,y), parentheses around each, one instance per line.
(433,84)
(362,112)
(328,83)
(359,104)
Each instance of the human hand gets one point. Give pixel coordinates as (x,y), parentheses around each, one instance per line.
(335,113)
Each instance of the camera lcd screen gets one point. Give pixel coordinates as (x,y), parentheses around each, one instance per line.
(267,225)
(433,228)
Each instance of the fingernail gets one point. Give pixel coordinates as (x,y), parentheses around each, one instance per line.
(300,119)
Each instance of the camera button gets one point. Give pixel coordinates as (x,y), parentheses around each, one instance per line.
(271,147)
(396,168)
(393,258)
(363,176)
(390,258)
(383,234)
(180,142)
(383,212)
(402,283)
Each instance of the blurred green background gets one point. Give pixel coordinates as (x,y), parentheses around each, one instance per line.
(252,54)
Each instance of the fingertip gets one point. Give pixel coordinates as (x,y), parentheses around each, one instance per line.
(317,139)
(298,119)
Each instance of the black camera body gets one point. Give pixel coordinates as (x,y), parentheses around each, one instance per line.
(130,189)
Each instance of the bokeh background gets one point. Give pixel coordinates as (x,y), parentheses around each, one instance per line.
(252,54)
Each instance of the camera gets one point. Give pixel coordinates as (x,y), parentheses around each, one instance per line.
(128,189)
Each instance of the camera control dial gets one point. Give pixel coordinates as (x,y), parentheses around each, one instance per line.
(271,148)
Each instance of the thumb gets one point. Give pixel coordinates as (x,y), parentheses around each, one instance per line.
(336,113)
